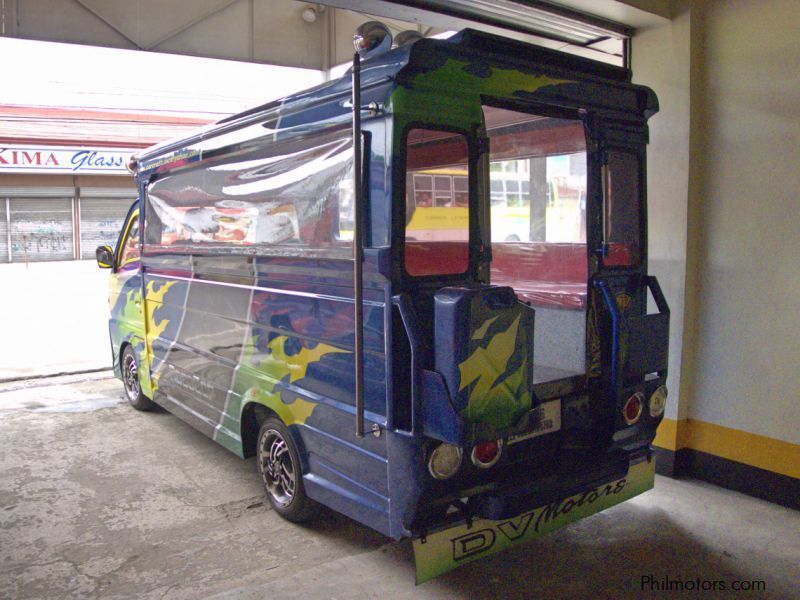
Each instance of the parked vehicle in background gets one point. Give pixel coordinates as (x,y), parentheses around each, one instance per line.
(466,391)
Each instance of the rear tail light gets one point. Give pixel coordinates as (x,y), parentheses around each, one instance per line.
(633,408)
(486,454)
(658,401)
(444,461)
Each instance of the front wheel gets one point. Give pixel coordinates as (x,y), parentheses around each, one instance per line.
(130,380)
(279,465)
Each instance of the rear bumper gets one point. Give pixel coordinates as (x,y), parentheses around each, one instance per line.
(510,501)
(532,514)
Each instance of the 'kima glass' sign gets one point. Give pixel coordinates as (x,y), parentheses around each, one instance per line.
(73,160)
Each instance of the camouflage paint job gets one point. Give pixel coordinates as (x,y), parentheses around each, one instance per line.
(126,323)
(484,351)
(228,334)
(498,393)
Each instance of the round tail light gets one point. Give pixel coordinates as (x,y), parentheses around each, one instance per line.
(658,401)
(633,408)
(444,461)
(486,454)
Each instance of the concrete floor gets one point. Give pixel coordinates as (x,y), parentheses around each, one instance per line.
(98,500)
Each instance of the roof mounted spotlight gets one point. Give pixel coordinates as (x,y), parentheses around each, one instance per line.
(407,37)
(309,14)
(132,163)
(371,39)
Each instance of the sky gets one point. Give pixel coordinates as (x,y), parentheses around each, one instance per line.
(70,75)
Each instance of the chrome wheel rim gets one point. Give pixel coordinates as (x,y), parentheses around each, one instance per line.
(277,468)
(130,377)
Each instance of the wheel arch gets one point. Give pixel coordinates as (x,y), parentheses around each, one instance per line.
(118,358)
(253,416)
(136,343)
(124,344)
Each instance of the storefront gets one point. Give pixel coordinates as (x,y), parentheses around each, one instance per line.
(64,186)
(61,202)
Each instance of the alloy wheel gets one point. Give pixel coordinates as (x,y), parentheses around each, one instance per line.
(130,377)
(277,468)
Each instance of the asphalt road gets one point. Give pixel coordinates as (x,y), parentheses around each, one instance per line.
(100,501)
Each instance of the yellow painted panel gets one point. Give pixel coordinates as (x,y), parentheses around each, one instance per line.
(748,448)
(667,434)
(744,447)
(430,218)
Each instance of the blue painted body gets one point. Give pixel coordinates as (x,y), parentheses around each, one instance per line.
(227,331)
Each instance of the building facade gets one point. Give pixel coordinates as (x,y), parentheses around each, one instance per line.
(64,185)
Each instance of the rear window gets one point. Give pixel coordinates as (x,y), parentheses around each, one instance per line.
(437,203)
(622,218)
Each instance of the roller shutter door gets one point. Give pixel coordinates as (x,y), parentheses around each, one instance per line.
(43,226)
(101,219)
(3,232)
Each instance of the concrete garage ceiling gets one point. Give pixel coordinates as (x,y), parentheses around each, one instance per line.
(314,35)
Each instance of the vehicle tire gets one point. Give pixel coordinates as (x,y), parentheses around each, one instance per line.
(130,380)
(278,463)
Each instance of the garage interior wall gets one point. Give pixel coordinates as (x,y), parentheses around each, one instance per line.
(723,183)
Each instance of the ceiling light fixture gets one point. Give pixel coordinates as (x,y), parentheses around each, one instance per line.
(309,14)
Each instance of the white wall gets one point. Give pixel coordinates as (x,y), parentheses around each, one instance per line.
(54,318)
(661,61)
(724,181)
(746,373)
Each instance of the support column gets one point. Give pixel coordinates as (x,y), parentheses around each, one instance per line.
(538,194)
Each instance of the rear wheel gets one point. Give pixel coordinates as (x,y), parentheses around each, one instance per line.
(130,380)
(279,465)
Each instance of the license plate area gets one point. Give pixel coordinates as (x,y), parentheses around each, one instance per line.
(547,419)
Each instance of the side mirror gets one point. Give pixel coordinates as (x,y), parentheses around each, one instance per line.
(105,257)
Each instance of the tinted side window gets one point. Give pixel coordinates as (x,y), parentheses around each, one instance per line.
(296,193)
(130,253)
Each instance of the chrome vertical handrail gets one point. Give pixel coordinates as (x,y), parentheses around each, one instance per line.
(358,254)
